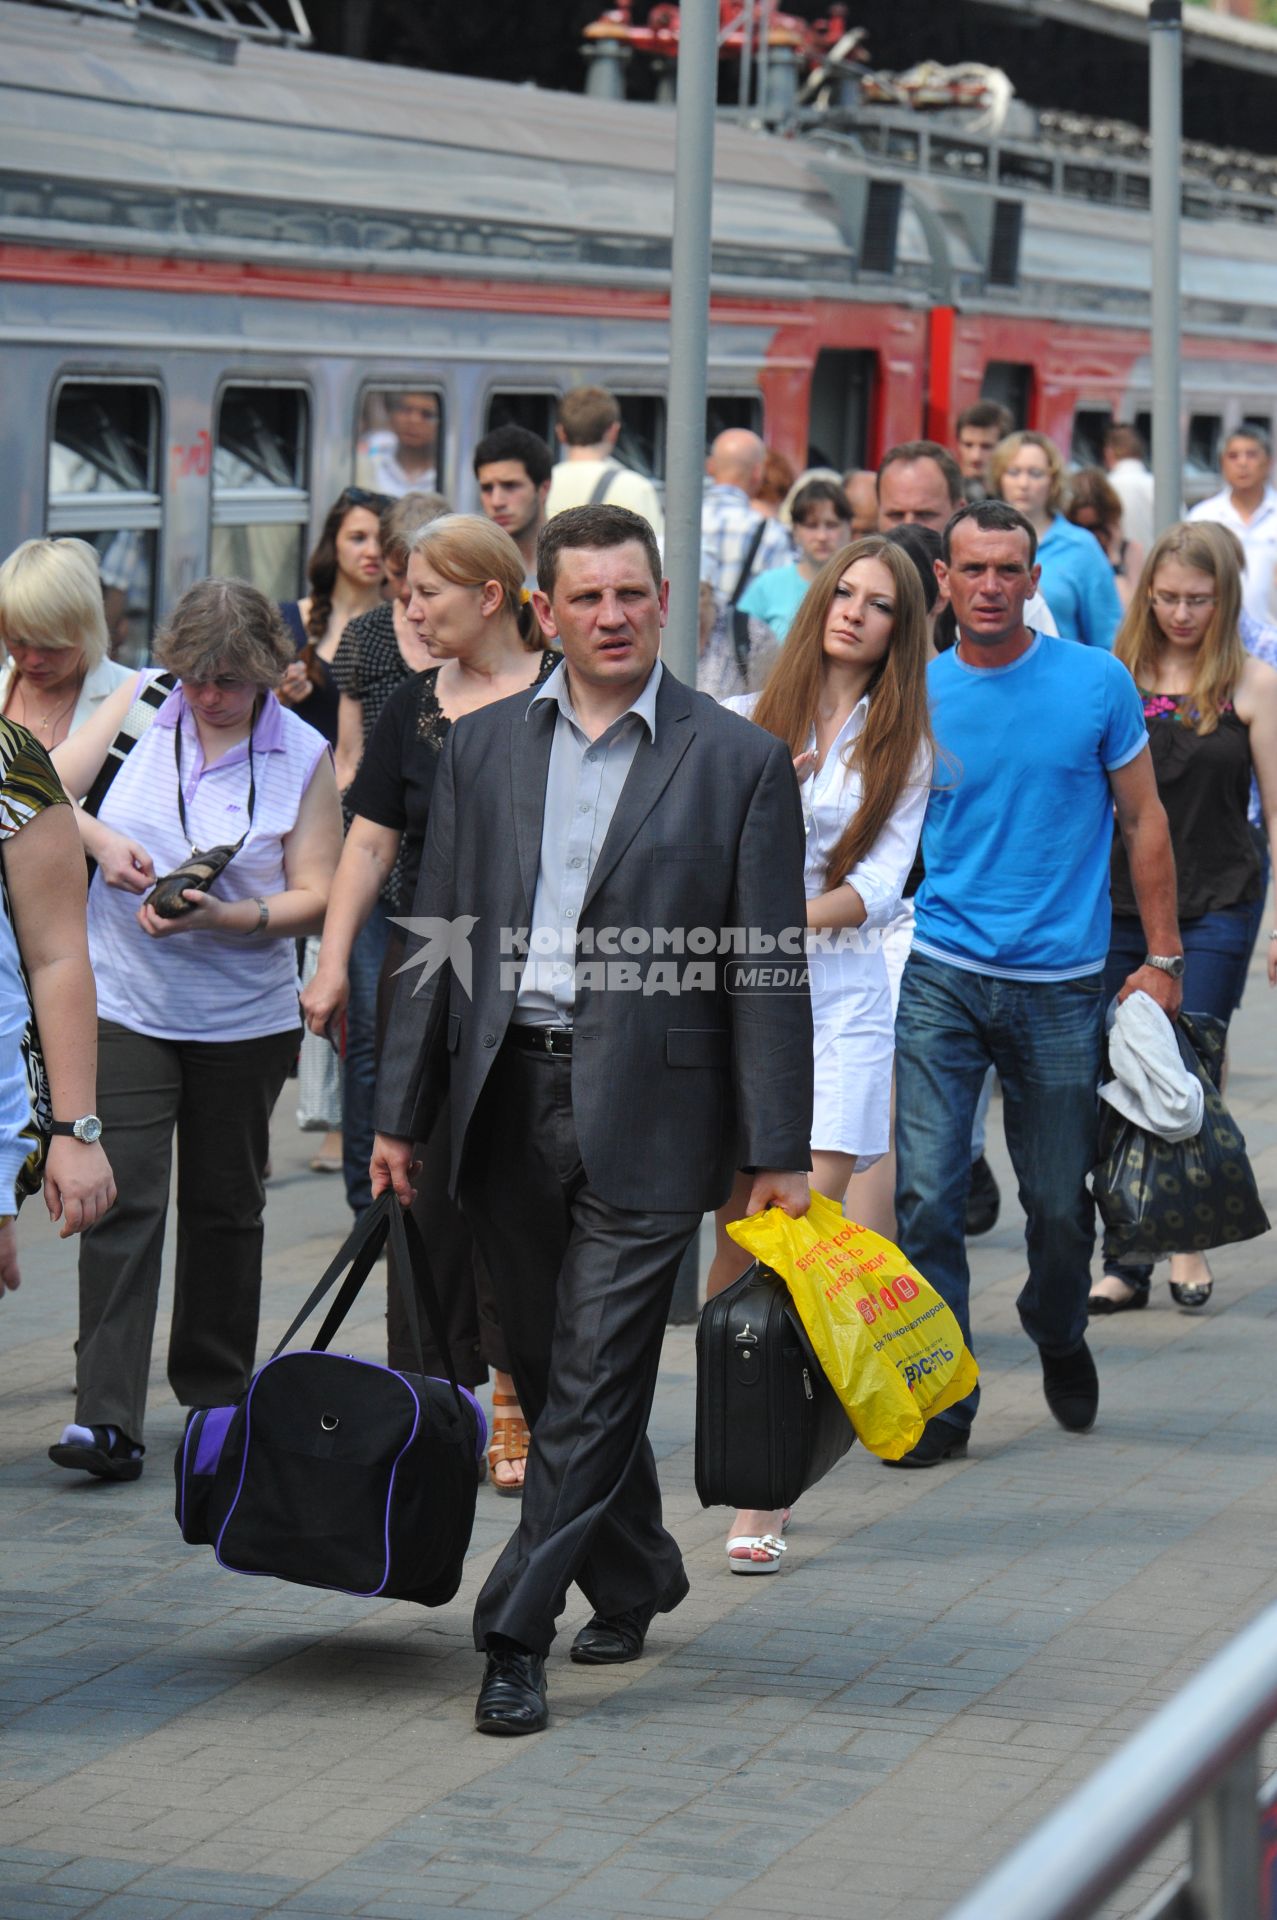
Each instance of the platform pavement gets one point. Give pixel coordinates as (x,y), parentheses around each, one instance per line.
(942,1658)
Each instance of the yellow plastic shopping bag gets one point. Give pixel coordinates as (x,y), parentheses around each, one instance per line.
(888,1343)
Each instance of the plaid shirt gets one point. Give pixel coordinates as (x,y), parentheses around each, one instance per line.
(727,527)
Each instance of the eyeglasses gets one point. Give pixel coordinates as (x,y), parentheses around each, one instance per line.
(1195,602)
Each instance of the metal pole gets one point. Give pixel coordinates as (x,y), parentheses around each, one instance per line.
(689,327)
(764,54)
(689,355)
(746,56)
(1165,120)
(1225,1871)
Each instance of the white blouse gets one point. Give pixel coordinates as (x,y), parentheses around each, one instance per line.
(831,794)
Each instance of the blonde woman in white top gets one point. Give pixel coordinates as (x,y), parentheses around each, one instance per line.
(55,673)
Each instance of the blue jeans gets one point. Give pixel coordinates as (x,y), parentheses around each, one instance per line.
(359,1067)
(1044,1040)
(1217,948)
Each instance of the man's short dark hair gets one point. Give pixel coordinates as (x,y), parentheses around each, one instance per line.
(987,413)
(516,443)
(595,527)
(1124,441)
(922,544)
(991,516)
(925,450)
(1259,435)
(587,414)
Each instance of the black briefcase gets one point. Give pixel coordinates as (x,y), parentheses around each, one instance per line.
(768,1423)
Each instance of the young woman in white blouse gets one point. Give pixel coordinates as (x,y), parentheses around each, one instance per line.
(849,697)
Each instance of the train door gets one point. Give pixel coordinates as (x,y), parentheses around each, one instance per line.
(843,393)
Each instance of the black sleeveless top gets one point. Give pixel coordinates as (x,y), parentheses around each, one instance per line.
(1203,781)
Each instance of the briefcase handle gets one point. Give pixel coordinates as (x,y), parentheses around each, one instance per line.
(360,1251)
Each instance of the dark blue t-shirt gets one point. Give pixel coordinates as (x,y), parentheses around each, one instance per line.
(1019,827)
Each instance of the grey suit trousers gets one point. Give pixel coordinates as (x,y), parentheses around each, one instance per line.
(583,1291)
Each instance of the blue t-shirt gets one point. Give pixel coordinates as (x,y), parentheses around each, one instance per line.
(1077,584)
(1019,826)
(775,596)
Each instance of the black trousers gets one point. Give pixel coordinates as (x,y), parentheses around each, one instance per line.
(583,1290)
(475,1339)
(217,1096)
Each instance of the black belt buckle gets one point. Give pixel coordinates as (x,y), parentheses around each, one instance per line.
(558,1042)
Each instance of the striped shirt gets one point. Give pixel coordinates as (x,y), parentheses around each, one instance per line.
(203,985)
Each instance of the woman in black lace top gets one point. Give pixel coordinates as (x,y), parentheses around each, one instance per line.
(468,605)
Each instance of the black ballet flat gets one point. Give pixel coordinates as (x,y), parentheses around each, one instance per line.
(1100,1303)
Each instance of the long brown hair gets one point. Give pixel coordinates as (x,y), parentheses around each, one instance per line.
(898,727)
(1209,549)
(321,568)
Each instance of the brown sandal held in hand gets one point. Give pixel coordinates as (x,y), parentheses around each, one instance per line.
(509,1443)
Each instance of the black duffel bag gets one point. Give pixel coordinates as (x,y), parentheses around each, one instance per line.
(768,1423)
(1157,1196)
(337,1472)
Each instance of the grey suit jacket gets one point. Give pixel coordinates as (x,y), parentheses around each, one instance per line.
(670,1091)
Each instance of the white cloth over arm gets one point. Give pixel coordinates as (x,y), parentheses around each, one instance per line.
(1151,1085)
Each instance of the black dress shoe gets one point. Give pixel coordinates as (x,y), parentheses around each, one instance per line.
(512,1697)
(1072,1388)
(1102,1303)
(941,1440)
(607,1640)
(984,1202)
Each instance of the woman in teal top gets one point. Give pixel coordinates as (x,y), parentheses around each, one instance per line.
(821,517)
(1027,471)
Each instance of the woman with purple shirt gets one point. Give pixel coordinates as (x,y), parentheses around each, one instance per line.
(198,1010)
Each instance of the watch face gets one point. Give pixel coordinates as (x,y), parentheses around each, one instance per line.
(89,1129)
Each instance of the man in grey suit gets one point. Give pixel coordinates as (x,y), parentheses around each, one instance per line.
(613,1052)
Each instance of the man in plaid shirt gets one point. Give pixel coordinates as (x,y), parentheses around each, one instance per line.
(735,467)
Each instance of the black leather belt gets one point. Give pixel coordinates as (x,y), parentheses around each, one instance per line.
(556,1041)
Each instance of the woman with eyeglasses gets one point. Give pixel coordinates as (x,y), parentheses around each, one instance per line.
(345,573)
(226,790)
(1211,711)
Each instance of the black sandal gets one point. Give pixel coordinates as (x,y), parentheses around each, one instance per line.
(110,1455)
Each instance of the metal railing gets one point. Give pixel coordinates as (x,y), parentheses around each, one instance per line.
(1198,1758)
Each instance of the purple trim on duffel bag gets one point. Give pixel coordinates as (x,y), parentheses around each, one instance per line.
(212,1438)
(358,1593)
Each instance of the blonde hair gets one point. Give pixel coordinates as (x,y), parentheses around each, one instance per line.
(1209,549)
(51,596)
(469,551)
(1004,453)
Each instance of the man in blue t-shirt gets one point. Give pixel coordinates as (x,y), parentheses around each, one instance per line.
(1038,740)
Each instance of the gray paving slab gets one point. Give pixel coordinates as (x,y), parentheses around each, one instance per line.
(942,1658)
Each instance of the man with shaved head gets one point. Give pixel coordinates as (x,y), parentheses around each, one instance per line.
(731,529)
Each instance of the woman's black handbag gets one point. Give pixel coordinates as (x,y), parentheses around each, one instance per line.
(768,1423)
(336,1472)
(1157,1196)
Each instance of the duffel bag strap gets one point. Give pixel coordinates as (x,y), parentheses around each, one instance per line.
(360,1251)
(412,1269)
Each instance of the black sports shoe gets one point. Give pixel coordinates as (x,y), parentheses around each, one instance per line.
(941,1440)
(984,1202)
(1072,1388)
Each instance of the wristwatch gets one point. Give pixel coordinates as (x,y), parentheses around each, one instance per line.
(89,1129)
(1172,963)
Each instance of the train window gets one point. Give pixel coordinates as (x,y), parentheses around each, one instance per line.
(642,441)
(260,503)
(533,411)
(1261,420)
(1144,428)
(842,388)
(104,486)
(1090,424)
(400,429)
(724,410)
(1204,431)
(1010,383)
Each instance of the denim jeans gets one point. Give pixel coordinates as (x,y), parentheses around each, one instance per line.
(1044,1040)
(1217,948)
(359,1067)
